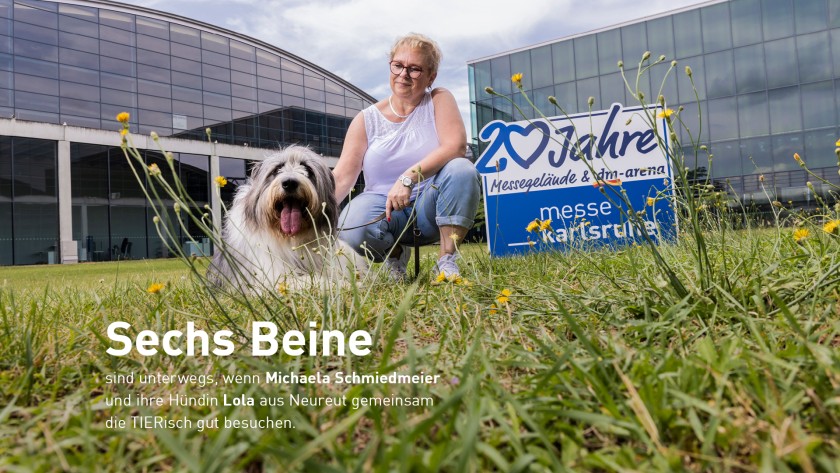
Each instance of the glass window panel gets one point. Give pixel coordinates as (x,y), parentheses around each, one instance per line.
(318,95)
(154,88)
(521,63)
(273,72)
(612,90)
(634,43)
(78,74)
(753,114)
(186,80)
(35,168)
(82,43)
(835,50)
(153,44)
(153,73)
(81,108)
(123,21)
(687,34)
(216,86)
(6,64)
(780,57)
(542,103)
(834,13)
(588,88)
(242,78)
(586,51)
(216,100)
(5,44)
(78,26)
(566,95)
(114,81)
(85,122)
(245,105)
(783,148)
(287,65)
(34,115)
(746,22)
(36,232)
(777,19)
(810,16)
(215,42)
(117,66)
(36,67)
(723,119)
(36,33)
(85,13)
(502,109)
(6,96)
(186,52)
(784,110)
(660,37)
(118,51)
(334,99)
(274,85)
(153,118)
(217,114)
(158,104)
(216,59)
(290,77)
(270,97)
(35,50)
(80,91)
(819,148)
(500,69)
(818,104)
(692,115)
(195,174)
(214,72)
(814,57)
(727,159)
(756,156)
(563,59)
(684,86)
(153,27)
(117,36)
(186,66)
(720,79)
(331,86)
(660,85)
(37,14)
(36,84)
(129,222)
(89,171)
(541,71)
(5,26)
(118,97)
(153,59)
(749,68)
(609,50)
(716,33)
(186,108)
(242,50)
(185,35)
(6,247)
(243,66)
(270,59)
(5,8)
(78,58)
(186,93)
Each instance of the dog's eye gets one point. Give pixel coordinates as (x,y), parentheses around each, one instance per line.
(278,169)
(308,170)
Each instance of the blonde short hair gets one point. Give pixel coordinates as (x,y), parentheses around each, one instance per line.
(426,45)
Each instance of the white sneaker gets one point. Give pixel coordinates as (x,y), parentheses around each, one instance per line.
(397,266)
(447,265)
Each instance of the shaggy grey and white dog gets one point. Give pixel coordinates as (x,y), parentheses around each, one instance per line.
(281,227)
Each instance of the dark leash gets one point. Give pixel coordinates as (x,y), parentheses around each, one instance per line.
(415,231)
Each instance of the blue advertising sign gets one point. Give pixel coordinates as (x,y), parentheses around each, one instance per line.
(558,183)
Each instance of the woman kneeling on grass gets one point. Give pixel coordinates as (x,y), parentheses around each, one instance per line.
(410,147)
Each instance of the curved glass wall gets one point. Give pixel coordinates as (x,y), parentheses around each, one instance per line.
(81,65)
(767,74)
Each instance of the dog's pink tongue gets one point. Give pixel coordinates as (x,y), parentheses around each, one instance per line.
(290,218)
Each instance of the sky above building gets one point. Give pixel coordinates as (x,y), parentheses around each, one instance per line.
(352,38)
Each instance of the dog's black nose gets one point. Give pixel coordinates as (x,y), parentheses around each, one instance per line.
(290,185)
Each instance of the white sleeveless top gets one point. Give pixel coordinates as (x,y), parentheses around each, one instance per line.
(395,147)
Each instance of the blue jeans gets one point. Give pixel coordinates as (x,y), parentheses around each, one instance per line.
(450,197)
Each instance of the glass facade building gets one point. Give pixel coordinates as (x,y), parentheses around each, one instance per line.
(67,69)
(767,76)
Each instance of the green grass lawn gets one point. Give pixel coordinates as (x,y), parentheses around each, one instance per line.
(593,363)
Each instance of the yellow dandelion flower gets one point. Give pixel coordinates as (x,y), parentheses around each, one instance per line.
(837,143)
(493,309)
(454,236)
(545,225)
(831,226)
(503,297)
(124,132)
(282,289)
(801,234)
(650,201)
(517,79)
(440,277)
(155,288)
(455,279)
(533,226)
(665,113)
(221,181)
(154,170)
(123,117)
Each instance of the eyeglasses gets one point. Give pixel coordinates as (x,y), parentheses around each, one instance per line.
(413,72)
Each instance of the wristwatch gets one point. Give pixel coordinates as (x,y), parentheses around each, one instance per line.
(406,181)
